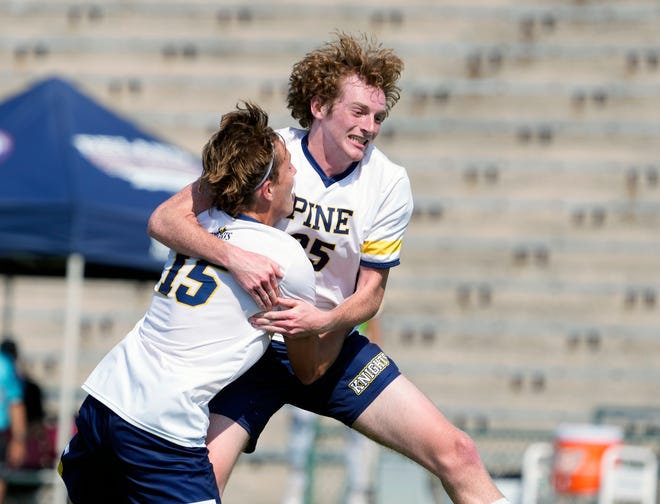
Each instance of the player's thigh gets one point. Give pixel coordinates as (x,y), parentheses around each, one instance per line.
(157,470)
(226,439)
(358,376)
(254,397)
(89,476)
(86,465)
(404,419)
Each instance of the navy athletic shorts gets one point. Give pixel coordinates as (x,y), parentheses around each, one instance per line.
(111,461)
(355,379)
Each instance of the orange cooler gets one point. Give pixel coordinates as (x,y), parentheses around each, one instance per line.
(578,450)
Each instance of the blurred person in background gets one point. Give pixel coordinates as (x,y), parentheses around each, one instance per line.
(40,441)
(352,208)
(13,422)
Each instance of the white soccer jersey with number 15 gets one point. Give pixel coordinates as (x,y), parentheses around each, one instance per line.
(195,337)
(357,218)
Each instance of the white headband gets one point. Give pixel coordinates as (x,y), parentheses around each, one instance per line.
(270,168)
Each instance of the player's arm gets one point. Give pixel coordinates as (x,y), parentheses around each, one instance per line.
(365,302)
(174,223)
(300,318)
(312,355)
(16,449)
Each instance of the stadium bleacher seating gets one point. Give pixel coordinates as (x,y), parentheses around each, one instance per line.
(528,289)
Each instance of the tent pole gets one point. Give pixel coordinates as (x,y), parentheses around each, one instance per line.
(8,307)
(75,271)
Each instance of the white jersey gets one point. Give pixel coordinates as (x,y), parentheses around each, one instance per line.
(358,218)
(195,338)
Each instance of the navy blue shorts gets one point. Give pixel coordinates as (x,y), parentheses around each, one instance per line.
(111,461)
(355,379)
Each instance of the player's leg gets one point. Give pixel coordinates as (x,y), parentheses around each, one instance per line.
(301,439)
(110,461)
(157,470)
(240,411)
(360,457)
(365,390)
(226,440)
(4,469)
(424,435)
(86,466)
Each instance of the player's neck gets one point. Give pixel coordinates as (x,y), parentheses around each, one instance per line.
(261,217)
(330,160)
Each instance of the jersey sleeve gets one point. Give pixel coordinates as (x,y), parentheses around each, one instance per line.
(382,245)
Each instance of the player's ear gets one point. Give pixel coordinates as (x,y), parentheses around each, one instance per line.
(267,190)
(318,107)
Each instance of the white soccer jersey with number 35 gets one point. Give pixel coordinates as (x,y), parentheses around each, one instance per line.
(357,218)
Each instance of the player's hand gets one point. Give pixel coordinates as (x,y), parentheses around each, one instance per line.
(258,275)
(296,319)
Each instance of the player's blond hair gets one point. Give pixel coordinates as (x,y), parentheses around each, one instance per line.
(321,73)
(237,156)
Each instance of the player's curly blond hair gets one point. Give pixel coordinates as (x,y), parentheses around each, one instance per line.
(321,72)
(236,158)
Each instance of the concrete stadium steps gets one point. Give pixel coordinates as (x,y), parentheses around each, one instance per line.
(580,303)
(533,102)
(112,63)
(564,396)
(579,227)
(528,381)
(106,43)
(514,141)
(567,134)
(527,332)
(418,19)
(528,178)
(463,269)
(485,339)
(529,291)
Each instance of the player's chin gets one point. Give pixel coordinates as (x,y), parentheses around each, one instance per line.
(359,152)
(290,209)
(356,155)
(356,149)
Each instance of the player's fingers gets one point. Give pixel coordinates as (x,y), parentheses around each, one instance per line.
(274,288)
(271,290)
(262,298)
(272,296)
(287,302)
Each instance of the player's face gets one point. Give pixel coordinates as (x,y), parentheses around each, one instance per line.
(354,121)
(283,191)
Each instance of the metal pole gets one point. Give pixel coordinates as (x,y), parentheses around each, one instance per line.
(75,269)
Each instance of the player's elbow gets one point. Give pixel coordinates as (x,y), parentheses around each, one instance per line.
(309,372)
(155,224)
(308,379)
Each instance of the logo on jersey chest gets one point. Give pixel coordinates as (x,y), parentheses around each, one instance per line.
(223,234)
(369,373)
(329,219)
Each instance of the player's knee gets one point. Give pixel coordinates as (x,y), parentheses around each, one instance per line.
(462,454)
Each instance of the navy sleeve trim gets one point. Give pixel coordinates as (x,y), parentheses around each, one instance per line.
(377,265)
